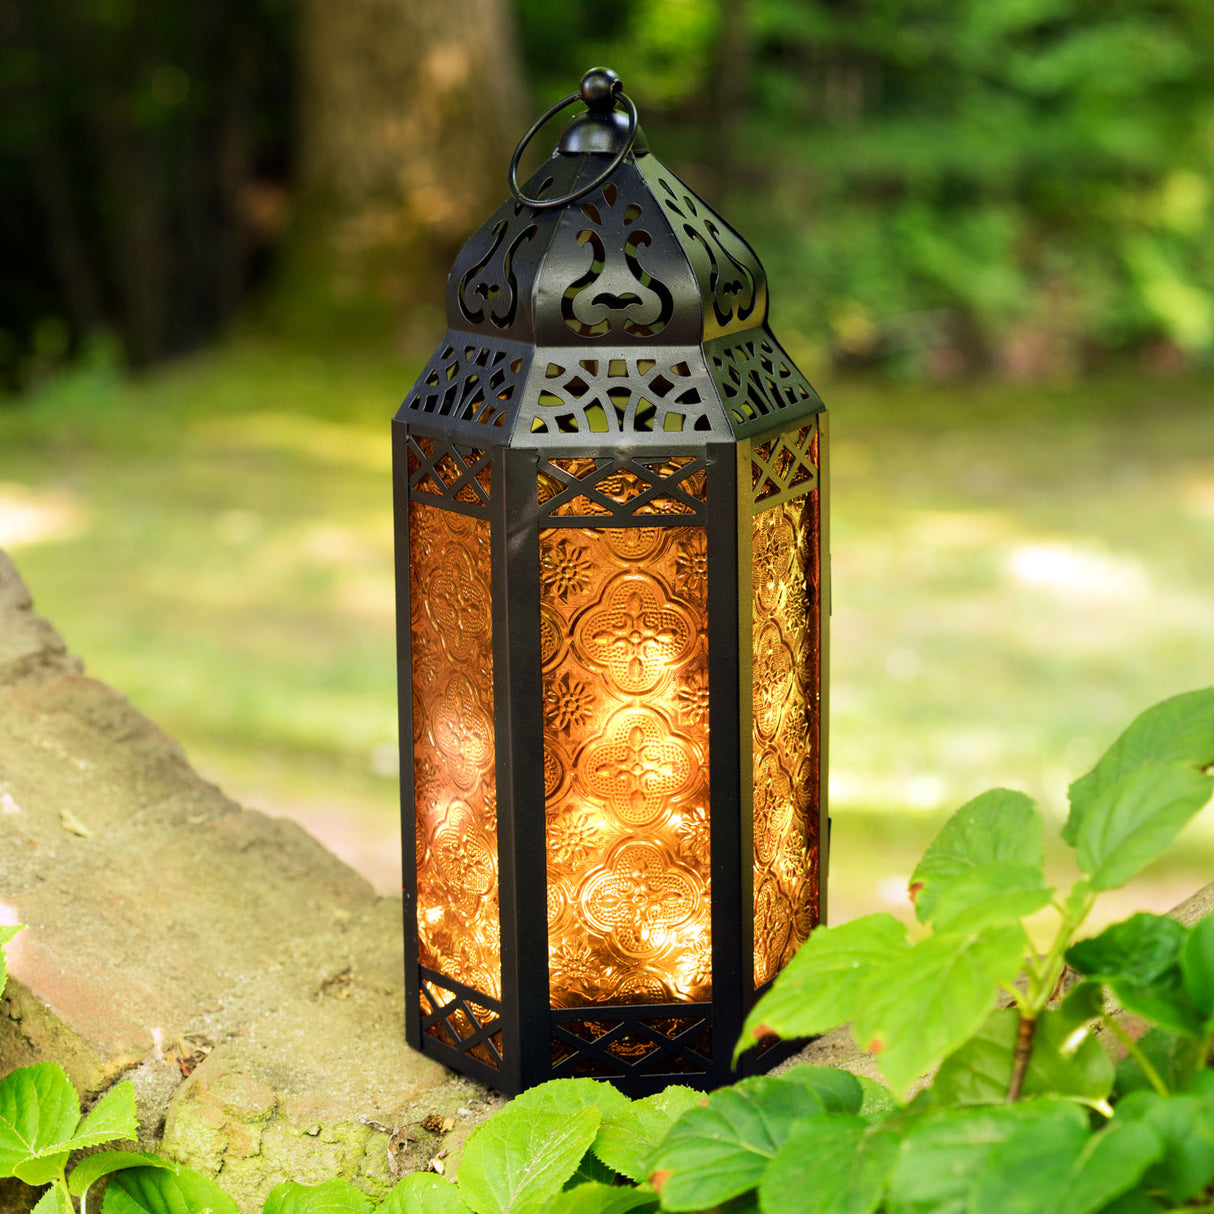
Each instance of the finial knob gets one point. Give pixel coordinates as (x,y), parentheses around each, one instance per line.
(599,88)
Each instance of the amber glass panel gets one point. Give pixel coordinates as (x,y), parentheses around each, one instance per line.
(455,790)
(625,650)
(787,653)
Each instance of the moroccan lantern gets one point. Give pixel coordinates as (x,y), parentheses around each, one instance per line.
(610,518)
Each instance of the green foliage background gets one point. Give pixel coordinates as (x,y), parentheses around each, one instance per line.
(935,186)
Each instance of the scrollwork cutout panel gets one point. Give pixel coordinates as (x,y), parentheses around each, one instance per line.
(489,289)
(732,283)
(787,729)
(455,790)
(625,679)
(614,272)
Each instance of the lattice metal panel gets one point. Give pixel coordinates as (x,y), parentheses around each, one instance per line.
(461,1018)
(614,491)
(650,1042)
(586,395)
(442,471)
(758,383)
(472,385)
(784,466)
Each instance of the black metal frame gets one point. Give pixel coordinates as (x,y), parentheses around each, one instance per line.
(523,379)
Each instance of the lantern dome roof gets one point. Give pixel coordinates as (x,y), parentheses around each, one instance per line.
(606,298)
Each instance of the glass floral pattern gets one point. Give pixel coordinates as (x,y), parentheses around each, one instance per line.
(453,750)
(627,744)
(786,660)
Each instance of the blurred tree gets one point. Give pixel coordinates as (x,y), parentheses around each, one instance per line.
(131,138)
(410,110)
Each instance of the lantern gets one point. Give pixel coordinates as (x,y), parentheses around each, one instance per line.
(610,511)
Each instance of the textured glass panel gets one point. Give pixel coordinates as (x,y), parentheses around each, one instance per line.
(455,791)
(624,642)
(787,650)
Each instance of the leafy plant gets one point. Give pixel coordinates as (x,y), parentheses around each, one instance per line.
(1026,1112)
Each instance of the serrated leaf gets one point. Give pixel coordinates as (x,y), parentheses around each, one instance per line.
(627,1140)
(941,1154)
(39,1111)
(998,827)
(597,1198)
(571,1096)
(331,1197)
(157,1191)
(989,894)
(113,1117)
(93,1167)
(1132,821)
(53,1201)
(424,1193)
(1139,959)
(1065,1060)
(722,1149)
(1055,1166)
(1178,730)
(921,1006)
(819,988)
(520,1158)
(830,1165)
(1197,967)
(838,1091)
(591,1169)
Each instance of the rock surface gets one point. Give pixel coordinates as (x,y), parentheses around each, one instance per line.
(246,980)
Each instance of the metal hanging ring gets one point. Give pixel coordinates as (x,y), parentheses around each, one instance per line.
(541,204)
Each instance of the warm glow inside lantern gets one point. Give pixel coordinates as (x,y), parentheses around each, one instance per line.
(610,503)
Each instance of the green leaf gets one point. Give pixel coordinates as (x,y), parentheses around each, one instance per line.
(1056,1166)
(721,1150)
(1178,730)
(1066,1061)
(53,1201)
(38,1112)
(922,1005)
(627,1140)
(998,827)
(877,1097)
(113,1117)
(93,1167)
(7,932)
(1197,967)
(942,1153)
(591,1169)
(1185,1126)
(332,1197)
(571,1096)
(1139,959)
(1172,1057)
(424,1193)
(820,987)
(1132,822)
(990,894)
(521,1157)
(839,1091)
(157,1191)
(595,1198)
(830,1165)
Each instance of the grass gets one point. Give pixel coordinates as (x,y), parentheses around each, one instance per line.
(1017,572)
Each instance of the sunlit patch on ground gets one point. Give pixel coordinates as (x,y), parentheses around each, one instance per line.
(30,515)
(326,442)
(1084,573)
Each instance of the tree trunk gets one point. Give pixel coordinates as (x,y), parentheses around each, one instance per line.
(410,111)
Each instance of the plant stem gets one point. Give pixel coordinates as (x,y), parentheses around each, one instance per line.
(1139,1057)
(1024,1052)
